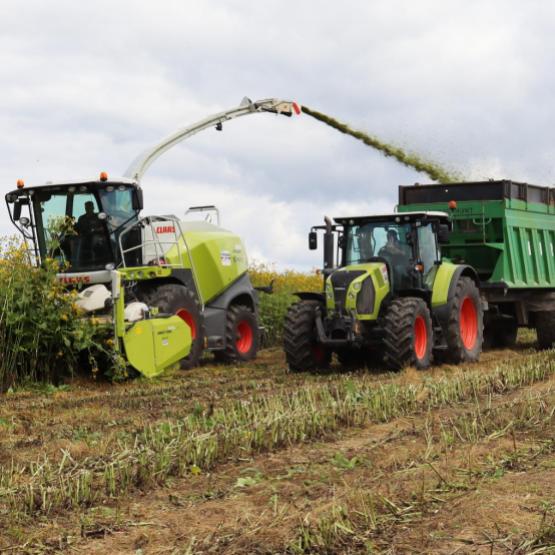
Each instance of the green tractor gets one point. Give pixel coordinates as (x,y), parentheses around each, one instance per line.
(166,288)
(391,297)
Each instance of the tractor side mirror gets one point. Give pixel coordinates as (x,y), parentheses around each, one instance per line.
(138,199)
(443,234)
(16,211)
(312,240)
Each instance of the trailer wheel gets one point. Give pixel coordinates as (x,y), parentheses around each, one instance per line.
(545,328)
(408,335)
(173,298)
(500,334)
(242,335)
(465,326)
(302,350)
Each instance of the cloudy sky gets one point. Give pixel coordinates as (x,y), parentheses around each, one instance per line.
(85,87)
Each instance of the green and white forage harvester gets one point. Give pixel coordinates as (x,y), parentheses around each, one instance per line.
(167,288)
(457,267)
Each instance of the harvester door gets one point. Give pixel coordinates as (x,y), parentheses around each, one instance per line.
(154,345)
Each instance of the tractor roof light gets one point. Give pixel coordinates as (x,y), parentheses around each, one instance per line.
(103,176)
(20,183)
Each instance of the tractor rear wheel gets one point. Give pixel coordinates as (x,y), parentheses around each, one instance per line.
(173,298)
(242,335)
(545,328)
(408,335)
(302,350)
(465,324)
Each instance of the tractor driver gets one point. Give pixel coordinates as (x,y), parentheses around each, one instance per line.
(393,246)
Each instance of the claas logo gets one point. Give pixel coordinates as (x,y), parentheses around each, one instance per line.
(75,279)
(165,229)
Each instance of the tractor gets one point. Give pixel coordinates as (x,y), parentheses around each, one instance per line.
(388,295)
(166,288)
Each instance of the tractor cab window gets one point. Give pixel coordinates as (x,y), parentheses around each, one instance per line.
(427,247)
(388,240)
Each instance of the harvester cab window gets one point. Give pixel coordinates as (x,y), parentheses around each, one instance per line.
(72,231)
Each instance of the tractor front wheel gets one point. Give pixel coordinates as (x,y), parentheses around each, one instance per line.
(408,334)
(302,350)
(465,325)
(173,298)
(242,335)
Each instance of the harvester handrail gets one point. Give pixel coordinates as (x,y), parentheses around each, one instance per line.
(157,243)
(139,166)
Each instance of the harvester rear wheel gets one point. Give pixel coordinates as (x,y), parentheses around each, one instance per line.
(545,328)
(465,325)
(173,298)
(242,335)
(302,350)
(408,335)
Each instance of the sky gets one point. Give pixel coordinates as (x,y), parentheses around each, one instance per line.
(85,87)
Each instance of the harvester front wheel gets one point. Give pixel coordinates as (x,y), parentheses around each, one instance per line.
(172,298)
(465,325)
(302,350)
(545,328)
(242,335)
(408,334)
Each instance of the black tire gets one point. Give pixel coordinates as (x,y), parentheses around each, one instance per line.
(500,334)
(545,328)
(465,324)
(173,298)
(242,335)
(302,350)
(408,334)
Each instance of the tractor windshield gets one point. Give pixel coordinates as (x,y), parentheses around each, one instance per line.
(388,240)
(79,225)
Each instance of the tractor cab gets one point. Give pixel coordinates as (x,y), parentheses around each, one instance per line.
(77,224)
(408,243)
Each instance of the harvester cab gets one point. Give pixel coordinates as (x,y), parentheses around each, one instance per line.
(166,288)
(388,294)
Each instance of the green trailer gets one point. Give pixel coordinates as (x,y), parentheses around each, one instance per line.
(506,232)
(455,267)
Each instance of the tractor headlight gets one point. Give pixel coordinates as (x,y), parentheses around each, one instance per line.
(366,296)
(357,286)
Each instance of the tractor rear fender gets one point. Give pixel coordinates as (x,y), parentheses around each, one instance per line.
(445,282)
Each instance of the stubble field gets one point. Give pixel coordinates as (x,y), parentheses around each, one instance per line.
(253,459)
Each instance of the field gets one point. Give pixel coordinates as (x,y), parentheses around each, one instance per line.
(253,459)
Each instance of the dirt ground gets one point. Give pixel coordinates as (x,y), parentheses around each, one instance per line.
(476,476)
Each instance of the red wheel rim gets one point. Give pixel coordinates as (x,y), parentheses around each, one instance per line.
(245,337)
(468,323)
(187,317)
(420,337)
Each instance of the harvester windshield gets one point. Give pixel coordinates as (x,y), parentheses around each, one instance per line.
(76,224)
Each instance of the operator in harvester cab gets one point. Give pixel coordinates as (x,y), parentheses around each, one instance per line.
(91,234)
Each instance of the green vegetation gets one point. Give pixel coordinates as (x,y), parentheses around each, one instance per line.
(411,160)
(41,335)
(273,308)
